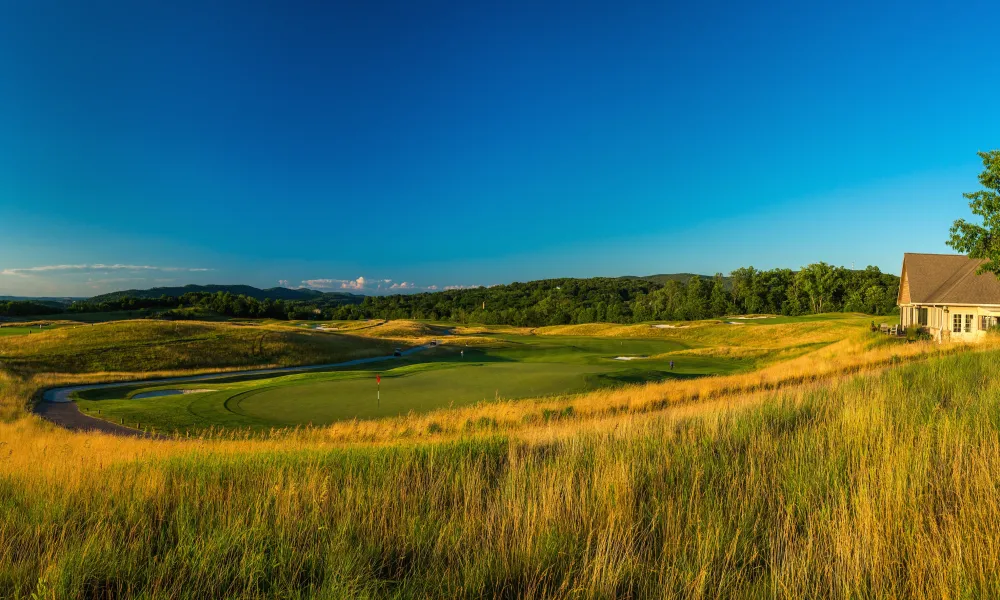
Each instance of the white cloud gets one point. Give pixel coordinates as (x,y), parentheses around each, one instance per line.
(98,267)
(319,284)
(328,284)
(357,284)
(367,284)
(283,283)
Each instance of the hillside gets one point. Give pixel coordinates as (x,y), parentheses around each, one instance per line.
(48,301)
(275,293)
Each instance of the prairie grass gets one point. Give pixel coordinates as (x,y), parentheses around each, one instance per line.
(144,345)
(865,468)
(715,333)
(879,485)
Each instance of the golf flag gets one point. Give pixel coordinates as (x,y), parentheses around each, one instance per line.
(378,379)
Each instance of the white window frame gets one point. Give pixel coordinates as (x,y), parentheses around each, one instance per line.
(956,323)
(968,323)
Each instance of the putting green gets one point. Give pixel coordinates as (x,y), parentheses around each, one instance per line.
(328,401)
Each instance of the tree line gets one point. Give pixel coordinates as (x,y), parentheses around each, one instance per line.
(187,305)
(815,288)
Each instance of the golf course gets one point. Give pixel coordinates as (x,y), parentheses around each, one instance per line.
(285,443)
(442,366)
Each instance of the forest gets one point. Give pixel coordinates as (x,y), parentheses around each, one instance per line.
(816,288)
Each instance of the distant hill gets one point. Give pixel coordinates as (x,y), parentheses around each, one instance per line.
(49,301)
(275,293)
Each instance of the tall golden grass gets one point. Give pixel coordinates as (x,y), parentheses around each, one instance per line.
(878,485)
(862,469)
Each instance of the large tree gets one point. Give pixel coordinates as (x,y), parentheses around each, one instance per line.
(982,241)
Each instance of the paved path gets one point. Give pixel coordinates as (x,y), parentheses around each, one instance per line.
(58,407)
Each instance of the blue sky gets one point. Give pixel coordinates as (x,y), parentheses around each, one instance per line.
(345,145)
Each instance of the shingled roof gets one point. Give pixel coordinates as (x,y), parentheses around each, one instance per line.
(947,279)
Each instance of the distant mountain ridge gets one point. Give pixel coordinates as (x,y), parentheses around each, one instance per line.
(47,300)
(275,293)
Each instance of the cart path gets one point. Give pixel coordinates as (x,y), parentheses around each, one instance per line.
(57,404)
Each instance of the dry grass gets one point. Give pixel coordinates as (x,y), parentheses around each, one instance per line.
(413,331)
(716,333)
(877,486)
(144,345)
(862,469)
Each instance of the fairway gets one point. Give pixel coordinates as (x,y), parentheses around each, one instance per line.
(465,370)
(4,331)
(504,367)
(328,401)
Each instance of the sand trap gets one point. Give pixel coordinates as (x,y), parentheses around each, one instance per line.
(671,326)
(630,357)
(754,318)
(158,393)
(735,323)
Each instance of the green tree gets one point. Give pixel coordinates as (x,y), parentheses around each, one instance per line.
(719,299)
(982,241)
(821,282)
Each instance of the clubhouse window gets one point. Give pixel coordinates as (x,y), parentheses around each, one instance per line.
(968,323)
(956,323)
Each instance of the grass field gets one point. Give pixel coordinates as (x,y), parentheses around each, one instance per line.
(498,367)
(4,331)
(828,462)
(879,485)
(143,345)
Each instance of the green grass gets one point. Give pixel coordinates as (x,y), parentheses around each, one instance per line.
(518,367)
(5,331)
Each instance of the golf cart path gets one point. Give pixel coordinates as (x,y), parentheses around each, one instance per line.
(58,407)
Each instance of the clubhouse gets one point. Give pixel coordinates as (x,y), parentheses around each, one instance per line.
(944,294)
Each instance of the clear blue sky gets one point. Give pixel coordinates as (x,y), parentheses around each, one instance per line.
(459,143)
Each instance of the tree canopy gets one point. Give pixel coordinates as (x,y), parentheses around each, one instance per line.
(982,240)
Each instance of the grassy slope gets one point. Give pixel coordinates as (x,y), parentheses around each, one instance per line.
(877,486)
(141,346)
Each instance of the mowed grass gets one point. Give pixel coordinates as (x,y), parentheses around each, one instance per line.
(4,331)
(445,377)
(499,365)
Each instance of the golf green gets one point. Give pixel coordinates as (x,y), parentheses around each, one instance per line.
(328,401)
(517,367)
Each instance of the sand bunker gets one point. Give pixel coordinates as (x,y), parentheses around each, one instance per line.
(630,357)
(158,393)
(671,326)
